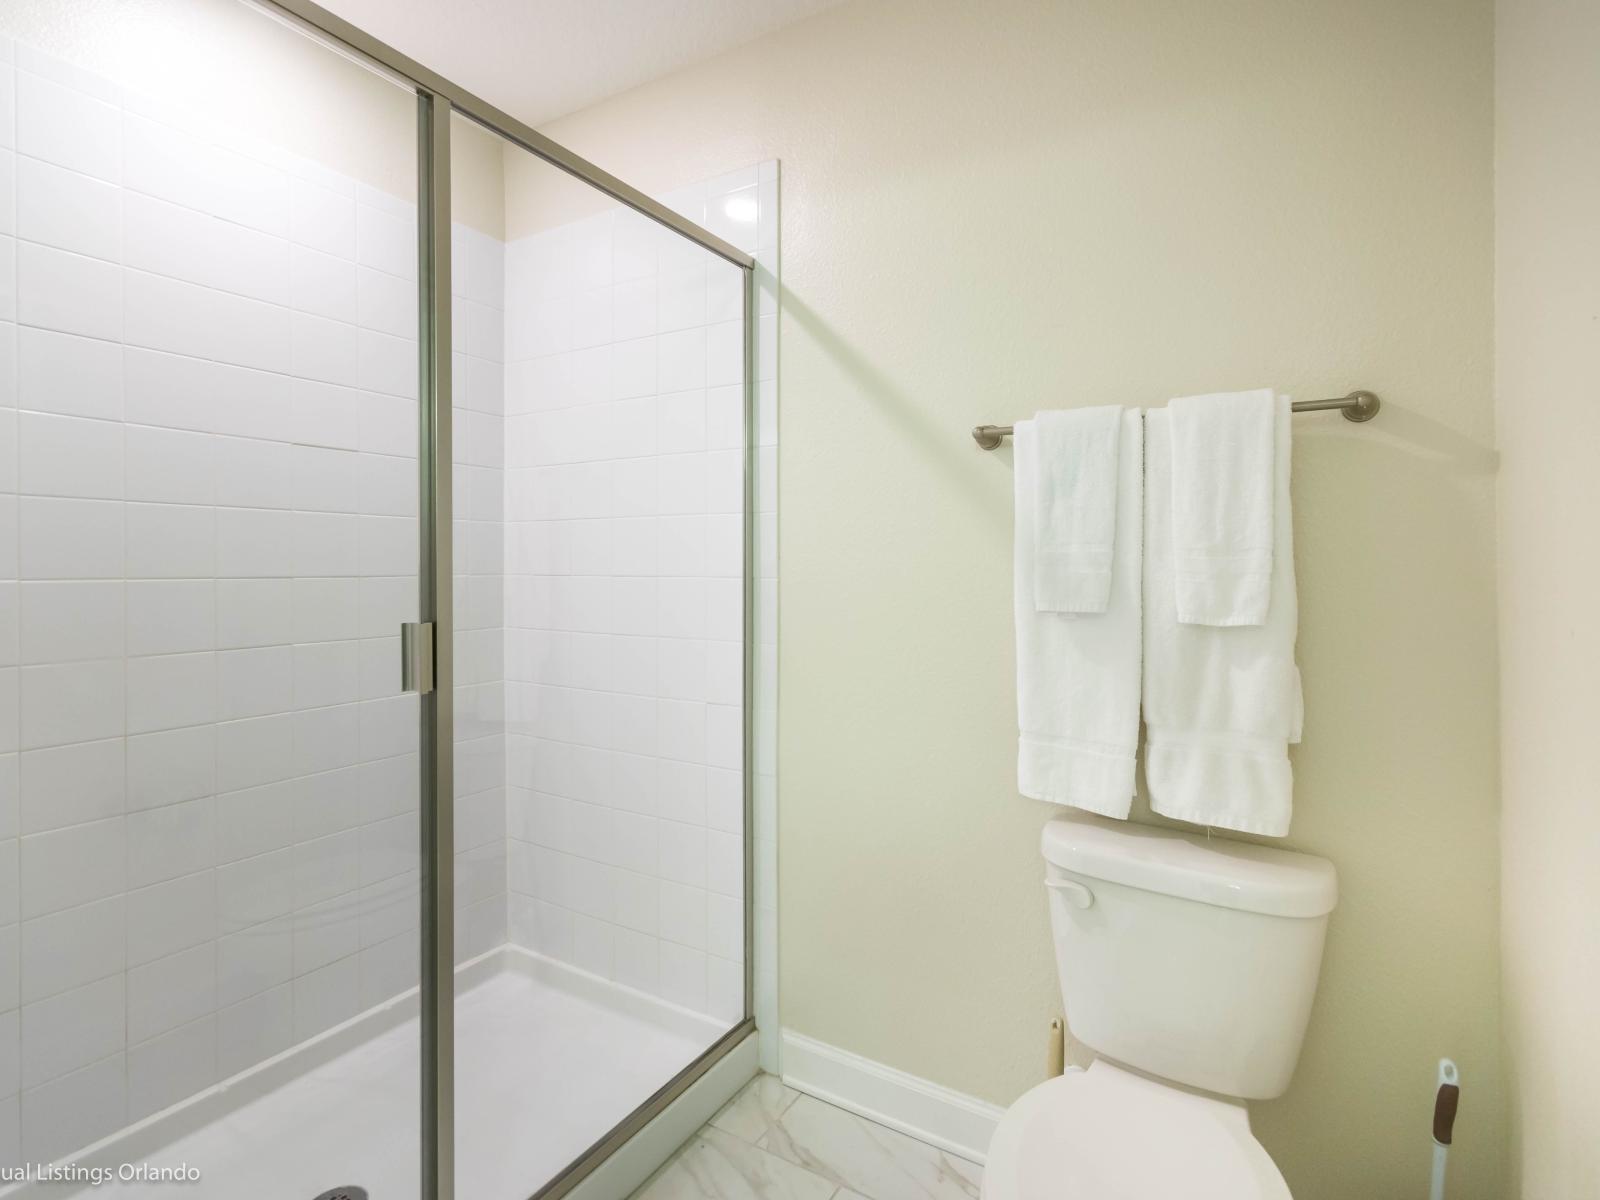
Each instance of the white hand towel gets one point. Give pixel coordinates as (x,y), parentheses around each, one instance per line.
(1221,704)
(1222,496)
(1078,673)
(1075,508)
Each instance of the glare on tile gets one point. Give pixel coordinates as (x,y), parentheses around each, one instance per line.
(741,208)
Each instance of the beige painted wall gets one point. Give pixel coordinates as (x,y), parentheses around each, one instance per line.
(478,177)
(539,196)
(1547,293)
(992,208)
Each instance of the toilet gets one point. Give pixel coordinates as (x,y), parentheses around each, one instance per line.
(1187,964)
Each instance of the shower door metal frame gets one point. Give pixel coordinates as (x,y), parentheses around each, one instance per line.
(437,100)
(332,28)
(436,463)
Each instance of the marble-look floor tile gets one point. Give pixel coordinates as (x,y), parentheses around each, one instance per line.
(756,1109)
(718,1166)
(857,1154)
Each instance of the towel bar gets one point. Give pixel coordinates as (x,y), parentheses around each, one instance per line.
(1357,406)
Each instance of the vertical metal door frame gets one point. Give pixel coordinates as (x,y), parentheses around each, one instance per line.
(437,806)
(750,584)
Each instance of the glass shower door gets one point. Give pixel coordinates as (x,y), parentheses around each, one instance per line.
(601,532)
(209,539)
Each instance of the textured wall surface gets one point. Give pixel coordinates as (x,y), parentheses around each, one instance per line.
(990,209)
(1547,300)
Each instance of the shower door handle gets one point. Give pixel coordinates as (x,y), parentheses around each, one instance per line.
(416,656)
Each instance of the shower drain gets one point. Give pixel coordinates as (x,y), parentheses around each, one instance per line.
(349,1192)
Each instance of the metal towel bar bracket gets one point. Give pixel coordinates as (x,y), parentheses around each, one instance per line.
(1357,406)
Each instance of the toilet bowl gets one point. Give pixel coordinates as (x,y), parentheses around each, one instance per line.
(1187,965)
(1108,1134)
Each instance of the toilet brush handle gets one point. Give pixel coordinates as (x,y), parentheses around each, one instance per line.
(1446,1099)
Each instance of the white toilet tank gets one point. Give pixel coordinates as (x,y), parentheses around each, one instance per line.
(1193,959)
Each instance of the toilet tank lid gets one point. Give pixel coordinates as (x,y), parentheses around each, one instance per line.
(1192,866)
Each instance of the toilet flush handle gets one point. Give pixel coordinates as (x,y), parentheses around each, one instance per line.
(1076,893)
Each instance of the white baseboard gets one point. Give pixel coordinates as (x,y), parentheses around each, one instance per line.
(930,1113)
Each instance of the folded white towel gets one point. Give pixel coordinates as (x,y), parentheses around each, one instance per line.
(1078,673)
(1075,508)
(1220,704)
(1222,496)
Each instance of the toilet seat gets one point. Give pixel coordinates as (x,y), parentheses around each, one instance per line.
(1108,1134)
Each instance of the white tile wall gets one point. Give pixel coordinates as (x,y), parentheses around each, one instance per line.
(624,431)
(477,322)
(207,541)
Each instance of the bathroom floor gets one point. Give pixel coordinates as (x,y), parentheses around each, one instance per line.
(541,1072)
(773,1143)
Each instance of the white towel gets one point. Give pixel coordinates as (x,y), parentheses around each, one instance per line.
(1221,704)
(1075,508)
(1078,673)
(1222,498)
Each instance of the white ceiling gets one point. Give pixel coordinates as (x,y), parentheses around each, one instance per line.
(541,59)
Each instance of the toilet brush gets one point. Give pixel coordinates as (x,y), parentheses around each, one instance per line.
(1445,1099)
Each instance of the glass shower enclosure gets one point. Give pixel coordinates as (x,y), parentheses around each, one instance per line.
(376,492)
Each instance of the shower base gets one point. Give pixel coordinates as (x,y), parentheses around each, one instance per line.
(548,1058)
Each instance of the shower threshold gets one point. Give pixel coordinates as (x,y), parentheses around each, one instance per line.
(548,1060)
